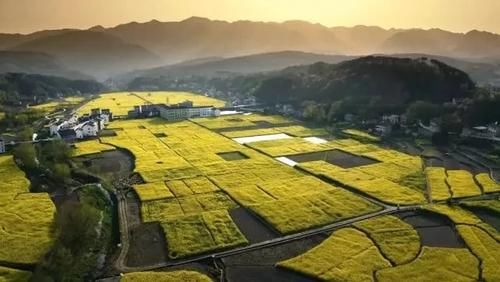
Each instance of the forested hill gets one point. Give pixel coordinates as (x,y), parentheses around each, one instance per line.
(16,88)
(384,80)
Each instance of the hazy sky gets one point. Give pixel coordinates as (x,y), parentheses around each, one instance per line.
(456,15)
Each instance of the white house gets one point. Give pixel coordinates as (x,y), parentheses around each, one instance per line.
(89,128)
(56,126)
(394,119)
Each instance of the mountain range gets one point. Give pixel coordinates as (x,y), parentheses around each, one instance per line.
(105,52)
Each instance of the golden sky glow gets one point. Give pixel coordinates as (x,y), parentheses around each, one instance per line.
(455,15)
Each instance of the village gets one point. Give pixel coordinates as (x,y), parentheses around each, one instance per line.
(74,127)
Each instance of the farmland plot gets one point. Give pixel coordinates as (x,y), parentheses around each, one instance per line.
(387,175)
(436,177)
(90,147)
(462,183)
(347,255)
(435,264)
(15,275)
(397,240)
(23,215)
(297,213)
(190,171)
(488,184)
(121,102)
(200,233)
(180,275)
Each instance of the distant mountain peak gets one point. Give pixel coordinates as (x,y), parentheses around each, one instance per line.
(97,28)
(196,19)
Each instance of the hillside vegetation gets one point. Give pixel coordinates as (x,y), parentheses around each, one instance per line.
(396,81)
(33,88)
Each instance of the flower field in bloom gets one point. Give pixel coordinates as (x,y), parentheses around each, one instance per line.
(23,215)
(90,147)
(121,102)
(347,255)
(189,177)
(445,184)
(171,276)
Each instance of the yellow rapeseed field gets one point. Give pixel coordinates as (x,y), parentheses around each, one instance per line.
(397,240)
(347,255)
(121,102)
(187,177)
(435,264)
(26,219)
(171,276)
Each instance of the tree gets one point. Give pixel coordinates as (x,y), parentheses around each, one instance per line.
(83,228)
(314,112)
(335,111)
(61,171)
(451,123)
(26,153)
(25,134)
(56,151)
(422,111)
(274,90)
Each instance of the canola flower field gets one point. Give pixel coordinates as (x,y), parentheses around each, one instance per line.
(120,103)
(25,218)
(171,276)
(66,102)
(388,249)
(191,185)
(445,184)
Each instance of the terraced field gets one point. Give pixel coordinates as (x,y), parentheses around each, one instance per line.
(26,219)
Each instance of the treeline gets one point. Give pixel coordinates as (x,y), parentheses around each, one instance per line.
(84,231)
(480,109)
(19,88)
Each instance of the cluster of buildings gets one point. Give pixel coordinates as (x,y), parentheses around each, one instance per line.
(85,126)
(89,125)
(490,131)
(178,111)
